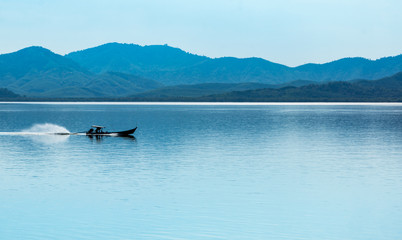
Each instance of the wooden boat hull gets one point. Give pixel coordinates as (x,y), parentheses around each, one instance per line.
(127,132)
(120,134)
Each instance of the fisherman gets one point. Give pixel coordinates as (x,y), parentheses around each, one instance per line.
(98,130)
(90,131)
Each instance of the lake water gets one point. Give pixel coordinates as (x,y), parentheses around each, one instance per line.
(202,172)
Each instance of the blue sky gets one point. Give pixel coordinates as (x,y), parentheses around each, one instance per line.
(290,32)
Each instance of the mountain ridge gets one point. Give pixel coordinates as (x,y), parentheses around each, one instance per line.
(118,70)
(192,69)
(36,71)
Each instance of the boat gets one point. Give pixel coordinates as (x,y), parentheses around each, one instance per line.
(98,131)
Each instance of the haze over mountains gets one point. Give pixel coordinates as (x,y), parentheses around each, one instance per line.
(119,70)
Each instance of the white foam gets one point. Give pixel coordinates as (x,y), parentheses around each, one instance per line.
(46,128)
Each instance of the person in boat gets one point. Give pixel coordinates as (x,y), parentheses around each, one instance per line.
(95,130)
(98,130)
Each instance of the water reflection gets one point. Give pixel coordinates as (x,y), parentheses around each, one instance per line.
(101,138)
(228,172)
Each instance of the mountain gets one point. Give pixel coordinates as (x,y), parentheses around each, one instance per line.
(7,94)
(351,68)
(385,89)
(229,70)
(120,84)
(134,59)
(36,71)
(392,82)
(172,66)
(118,70)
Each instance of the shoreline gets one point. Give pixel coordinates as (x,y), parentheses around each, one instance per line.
(214,103)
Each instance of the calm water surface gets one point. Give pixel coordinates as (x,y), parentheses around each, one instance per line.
(202,172)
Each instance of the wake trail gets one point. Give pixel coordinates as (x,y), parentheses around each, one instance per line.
(41,129)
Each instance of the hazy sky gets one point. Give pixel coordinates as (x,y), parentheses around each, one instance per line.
(291,32)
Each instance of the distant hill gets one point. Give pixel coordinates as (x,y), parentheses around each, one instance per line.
(386,89)
(134,59)
(198,90)
(229,70)
(121,84)
(392,82)
(119,70)
(36,71)
(7,94)
(351,68)
(172,66)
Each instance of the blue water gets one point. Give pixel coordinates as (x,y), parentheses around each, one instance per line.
(202,172)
